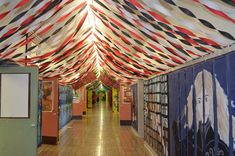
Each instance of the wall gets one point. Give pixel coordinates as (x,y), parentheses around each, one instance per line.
(201,108)
(78,103)
(50,121)
(125,108)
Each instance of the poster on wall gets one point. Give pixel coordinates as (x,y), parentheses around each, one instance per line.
(201,105)
(127,95)
(47,97)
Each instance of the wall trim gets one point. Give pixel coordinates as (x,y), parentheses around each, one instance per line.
(151,151)
(49,140)
(125,122)
(77,117)
(135,132)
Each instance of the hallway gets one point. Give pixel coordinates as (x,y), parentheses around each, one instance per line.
(98,133)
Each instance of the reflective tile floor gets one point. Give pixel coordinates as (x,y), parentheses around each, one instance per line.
(98,133)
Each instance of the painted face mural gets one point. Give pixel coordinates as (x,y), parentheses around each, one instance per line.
(206,118)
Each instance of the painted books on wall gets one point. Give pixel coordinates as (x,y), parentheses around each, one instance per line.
(47,97)
(156,114)
(202,118)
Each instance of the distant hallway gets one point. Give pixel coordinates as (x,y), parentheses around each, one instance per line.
(98,133)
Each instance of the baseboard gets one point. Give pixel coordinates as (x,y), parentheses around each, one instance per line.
(125,122)
(77,117)
(135,132)
(49,140)
(150,150)
(84,113)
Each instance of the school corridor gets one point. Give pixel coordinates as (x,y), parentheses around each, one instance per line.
(98,134)
(117,77)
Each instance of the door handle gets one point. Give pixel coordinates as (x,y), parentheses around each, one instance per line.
(33,125)
(54,113)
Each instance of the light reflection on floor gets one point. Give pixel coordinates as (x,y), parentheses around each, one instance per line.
(98,134)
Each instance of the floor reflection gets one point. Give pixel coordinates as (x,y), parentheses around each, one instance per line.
(98,134)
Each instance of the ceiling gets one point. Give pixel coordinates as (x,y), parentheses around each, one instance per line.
(124,39)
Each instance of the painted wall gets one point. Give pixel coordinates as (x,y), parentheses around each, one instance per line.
(156,114)
(125,108)
(202,110)
(78,103)
(50,121)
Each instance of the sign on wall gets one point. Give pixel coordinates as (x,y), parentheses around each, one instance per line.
(48,96)
(15,95)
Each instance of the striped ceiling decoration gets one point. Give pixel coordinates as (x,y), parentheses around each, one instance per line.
(126,39)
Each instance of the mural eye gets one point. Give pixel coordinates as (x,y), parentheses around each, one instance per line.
(206,98)
(199,100)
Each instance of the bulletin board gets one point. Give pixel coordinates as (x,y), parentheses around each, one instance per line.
(15,95)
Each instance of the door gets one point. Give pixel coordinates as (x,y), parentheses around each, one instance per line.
(18,111)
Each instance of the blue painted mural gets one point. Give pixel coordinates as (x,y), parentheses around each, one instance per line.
(65,105)
(39,112)
(202,110)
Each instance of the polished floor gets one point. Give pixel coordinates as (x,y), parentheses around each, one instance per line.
(97,134)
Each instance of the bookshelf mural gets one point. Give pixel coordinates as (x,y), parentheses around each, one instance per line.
(202,110)
(156,114)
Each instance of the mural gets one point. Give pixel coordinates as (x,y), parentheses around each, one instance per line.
(65,105)
(202,117)
(115,104)
(39,112)
(156,114)
(47,97)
